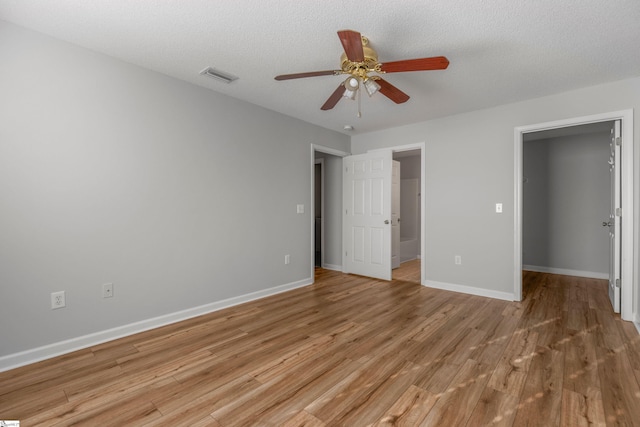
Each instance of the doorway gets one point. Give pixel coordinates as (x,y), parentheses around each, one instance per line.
(410,204)
(566,197)
(626,191)
(326,208)
(367,227)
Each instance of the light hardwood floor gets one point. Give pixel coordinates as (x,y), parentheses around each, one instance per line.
(354,351)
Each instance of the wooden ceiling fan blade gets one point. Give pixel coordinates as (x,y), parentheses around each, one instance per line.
(420,64)
(308,74)
(392,92)
(352,44)
(334,98)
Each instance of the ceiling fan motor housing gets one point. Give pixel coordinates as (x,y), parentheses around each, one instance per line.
(360,69)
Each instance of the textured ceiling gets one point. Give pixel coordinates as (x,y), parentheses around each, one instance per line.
(500,51)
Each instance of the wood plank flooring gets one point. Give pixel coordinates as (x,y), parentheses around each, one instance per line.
(352,351)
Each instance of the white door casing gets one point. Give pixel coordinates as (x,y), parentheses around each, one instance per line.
(395,215)
(614,218)
(367,214)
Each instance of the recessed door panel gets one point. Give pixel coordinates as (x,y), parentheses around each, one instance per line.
(359,166)
(377,164)
(358,245)
(377,196)
(359,188)
(376,247)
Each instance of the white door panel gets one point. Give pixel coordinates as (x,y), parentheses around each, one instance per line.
(614,219)
(367,214)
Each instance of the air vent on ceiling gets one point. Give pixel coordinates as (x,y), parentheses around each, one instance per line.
(218,75)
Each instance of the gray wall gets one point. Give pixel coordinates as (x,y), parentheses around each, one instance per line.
(111,173)
(409,166)
(470,167)
(565,199)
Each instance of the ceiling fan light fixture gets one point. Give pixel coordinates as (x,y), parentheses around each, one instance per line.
(352,83)
(351,94)
(371,86)
(351,87)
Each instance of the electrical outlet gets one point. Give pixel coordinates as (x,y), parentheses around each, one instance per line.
(58,300)
(458,260)
(107,290)
(287,259)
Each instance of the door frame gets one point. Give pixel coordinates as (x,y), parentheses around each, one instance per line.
(627,257)
(312,223)
(423,229)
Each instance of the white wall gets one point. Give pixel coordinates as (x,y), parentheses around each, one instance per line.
(180,196)
(470,167)
(566,198)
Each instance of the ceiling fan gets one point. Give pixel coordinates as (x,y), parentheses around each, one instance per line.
(358,61)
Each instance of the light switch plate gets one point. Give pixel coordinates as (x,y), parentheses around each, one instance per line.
(300,209)
(498,207)
(107,290)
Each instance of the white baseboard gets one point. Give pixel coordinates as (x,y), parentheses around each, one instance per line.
(332,267)
(566,272)
(470,290)
(27,357)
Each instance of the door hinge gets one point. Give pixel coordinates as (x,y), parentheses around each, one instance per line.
(618,141)
(618,211)
(617,283)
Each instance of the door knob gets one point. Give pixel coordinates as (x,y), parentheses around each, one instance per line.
(606,224)
(386,221)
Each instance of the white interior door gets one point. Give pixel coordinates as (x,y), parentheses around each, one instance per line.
(395,215)
(614,218)
(367,214)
